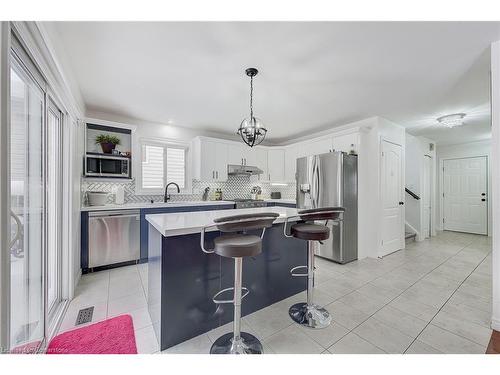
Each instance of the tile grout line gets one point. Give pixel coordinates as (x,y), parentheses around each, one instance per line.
(354,290)
(401,294)
(447,300)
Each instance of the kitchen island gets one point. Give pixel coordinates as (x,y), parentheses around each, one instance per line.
(182,279)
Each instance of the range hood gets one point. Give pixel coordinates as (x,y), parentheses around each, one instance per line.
(246,170)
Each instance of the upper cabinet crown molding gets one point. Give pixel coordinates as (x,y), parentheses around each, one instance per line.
(112,124)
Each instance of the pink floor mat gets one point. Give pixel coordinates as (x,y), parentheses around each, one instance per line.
(111,336)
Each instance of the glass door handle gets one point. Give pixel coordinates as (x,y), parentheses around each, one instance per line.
(19,227)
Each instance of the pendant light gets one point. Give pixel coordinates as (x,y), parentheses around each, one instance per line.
(252,130)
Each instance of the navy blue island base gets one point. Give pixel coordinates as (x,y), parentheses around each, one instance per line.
(183,280)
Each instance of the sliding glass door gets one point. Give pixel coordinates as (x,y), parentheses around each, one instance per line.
(36,181)
(27,189)
(54,208)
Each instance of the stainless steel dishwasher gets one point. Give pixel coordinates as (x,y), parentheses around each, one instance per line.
(114,237)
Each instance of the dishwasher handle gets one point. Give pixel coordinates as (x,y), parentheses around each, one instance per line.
(124,213)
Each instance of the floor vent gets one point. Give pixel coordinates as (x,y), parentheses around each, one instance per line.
(85,315)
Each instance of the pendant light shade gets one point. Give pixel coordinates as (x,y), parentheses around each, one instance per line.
(252,131)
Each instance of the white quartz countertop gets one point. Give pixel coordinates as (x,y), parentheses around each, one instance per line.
(176,224)
(128,206)
(286,201)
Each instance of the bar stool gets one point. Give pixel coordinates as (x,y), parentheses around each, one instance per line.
(308,314)
(237,245)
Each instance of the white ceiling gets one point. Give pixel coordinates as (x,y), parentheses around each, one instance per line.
(313,76)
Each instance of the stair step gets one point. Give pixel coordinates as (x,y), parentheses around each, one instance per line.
(410,236)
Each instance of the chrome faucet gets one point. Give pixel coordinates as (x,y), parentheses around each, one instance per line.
(166,197)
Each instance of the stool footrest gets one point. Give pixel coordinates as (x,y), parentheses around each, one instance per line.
(218,301)
(298,274)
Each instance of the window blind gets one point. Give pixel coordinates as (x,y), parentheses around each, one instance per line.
(152,167)
(176,166)
(161,165)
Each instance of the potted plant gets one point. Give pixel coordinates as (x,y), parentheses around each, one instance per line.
(107,142)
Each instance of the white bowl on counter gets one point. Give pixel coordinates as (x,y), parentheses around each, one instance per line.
(97,198)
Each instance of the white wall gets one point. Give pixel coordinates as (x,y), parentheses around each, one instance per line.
(373,132)
(416,150)
(495,191)
(465,150)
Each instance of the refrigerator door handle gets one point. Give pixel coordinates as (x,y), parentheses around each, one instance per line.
(316,183)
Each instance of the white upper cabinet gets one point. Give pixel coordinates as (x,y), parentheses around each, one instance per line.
(346,142)
(241,154)
(235,154)
(209,160)
(212,156)
(250,155)
(276,165)
(290,163)
(315,147)
(262,161)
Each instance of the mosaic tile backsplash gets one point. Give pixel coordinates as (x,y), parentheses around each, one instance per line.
(236,187)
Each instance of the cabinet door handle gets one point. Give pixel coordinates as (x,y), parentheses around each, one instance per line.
(245,161)
(213,174)
(217,174)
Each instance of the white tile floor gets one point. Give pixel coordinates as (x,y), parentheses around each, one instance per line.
(432,297)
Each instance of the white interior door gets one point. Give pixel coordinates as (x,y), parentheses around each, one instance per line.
(392,198)
(426,198)
(465,207)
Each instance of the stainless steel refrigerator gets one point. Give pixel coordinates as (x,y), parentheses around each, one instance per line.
(330,180)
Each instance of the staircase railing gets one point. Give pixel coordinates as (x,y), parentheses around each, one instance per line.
(413,195)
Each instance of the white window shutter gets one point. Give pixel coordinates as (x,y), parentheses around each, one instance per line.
(176,166)
(152,167)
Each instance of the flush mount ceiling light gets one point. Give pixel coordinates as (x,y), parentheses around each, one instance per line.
(252,130)
(450,121)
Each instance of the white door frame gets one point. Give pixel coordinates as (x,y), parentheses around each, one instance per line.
(431,195)
(4,185)
(441,189)
(68,281)
(402,194)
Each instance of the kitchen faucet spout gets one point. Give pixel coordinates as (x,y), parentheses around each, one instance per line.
(166,197)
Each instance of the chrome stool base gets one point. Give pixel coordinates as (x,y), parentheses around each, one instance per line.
(311,316)
(247,344)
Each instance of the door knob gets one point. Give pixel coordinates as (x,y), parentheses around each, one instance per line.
(483,194)
(483,200)
(401,203)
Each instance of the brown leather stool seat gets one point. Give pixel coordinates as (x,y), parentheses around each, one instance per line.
(238,245)
(310,232)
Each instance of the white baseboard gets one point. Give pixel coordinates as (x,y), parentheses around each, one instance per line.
(77,280)
(495,324)
(414,231)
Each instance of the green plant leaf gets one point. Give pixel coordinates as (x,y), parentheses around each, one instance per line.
(107,138)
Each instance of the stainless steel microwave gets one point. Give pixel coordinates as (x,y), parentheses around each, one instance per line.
(107,166)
